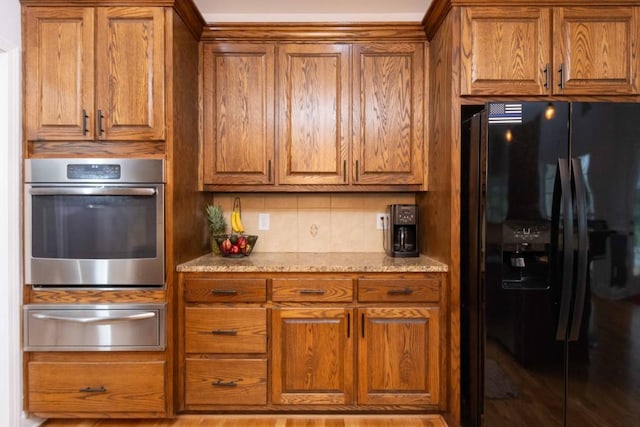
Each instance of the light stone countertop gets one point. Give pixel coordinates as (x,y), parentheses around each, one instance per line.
(307,262)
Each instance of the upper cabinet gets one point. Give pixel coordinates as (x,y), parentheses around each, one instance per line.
(94,73)
(549,51)
(388,113)
(238,121)
(284,116)
(313,113)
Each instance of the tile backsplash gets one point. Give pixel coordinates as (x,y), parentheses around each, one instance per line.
(314,222)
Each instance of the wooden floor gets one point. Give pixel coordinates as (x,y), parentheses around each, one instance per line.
(264,421)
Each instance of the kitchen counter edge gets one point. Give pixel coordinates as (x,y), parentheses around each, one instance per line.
(310,262)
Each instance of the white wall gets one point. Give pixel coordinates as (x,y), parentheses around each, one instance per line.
(10,247)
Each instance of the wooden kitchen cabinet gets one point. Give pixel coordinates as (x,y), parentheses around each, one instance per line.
(313,113)
(388,113)
(549,51)
(347,116)
(315,341)
(398,355)
(65,384)
(312,356)
(238,113)
(94,73)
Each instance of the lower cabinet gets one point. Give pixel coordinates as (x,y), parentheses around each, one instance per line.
(330,342)
(65,384)
(312,356)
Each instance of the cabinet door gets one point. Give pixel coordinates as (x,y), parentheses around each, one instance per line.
(398,356)
(59,77)
(238,120)
(505,51)
(313,111)
(312,356)
(596,50)
(388,113)
(130,77)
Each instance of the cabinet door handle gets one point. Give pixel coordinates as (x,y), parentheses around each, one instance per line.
(220,383)
(100,117)
(85,116)
(405,291)
(312,291)
(348,325)
(546,76)
(269,170)
(561,71)
(224,332)
(224,292)
(362,324)
(357,170)
(93,390)
(344,171)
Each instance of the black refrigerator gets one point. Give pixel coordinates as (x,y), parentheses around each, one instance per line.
(550,264)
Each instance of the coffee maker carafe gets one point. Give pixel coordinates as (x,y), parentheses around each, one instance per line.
(401,235)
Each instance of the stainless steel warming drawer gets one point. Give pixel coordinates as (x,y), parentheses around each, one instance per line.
(91,327)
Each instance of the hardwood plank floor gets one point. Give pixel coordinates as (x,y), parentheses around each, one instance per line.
(264,421)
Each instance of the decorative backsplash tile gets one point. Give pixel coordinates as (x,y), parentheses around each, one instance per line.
(314,222)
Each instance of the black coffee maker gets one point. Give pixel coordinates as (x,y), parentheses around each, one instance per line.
(400,237)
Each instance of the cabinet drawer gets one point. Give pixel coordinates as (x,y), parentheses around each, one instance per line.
(399,290)
(105,387)
(225,330)
(325,290)
(225,290)
(226,382)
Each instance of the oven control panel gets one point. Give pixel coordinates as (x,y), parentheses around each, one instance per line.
(93,171)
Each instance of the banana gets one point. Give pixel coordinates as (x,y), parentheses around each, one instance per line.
(236,220)
(239,228)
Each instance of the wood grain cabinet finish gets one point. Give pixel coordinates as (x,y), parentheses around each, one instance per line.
(94,73)
(313,112)
(312,356)
(225,330)
(388,113)
(549,51)
(398,356)
(225,290)
(82,387)
(347,116)
(238,113)
(225,381)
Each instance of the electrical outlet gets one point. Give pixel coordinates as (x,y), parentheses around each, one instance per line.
(263,221)
(382,221)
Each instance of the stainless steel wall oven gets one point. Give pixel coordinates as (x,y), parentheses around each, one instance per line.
(94,222)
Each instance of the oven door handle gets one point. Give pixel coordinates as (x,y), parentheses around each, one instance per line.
(137,316)
(92,191)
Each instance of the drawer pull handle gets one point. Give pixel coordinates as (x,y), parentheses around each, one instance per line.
(224,292)
(405,291)
(224,332)
(312,291)
(219,383)
(93,390)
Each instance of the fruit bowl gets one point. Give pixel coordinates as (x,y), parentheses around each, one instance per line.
(235,245)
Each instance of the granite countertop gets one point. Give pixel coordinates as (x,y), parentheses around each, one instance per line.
(306,262)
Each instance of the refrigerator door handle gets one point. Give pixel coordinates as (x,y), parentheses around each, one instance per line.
(583,246)
(562,197)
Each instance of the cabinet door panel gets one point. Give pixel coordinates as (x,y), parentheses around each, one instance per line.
(597,50)
(59,62)
(505,51)
(238,121)
(312,356)
(130,73)
(398,356)
(388,113)
(313,104)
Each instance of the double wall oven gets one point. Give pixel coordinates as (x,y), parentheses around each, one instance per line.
(98,224)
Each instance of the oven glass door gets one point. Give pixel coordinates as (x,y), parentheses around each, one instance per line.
(108,235)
